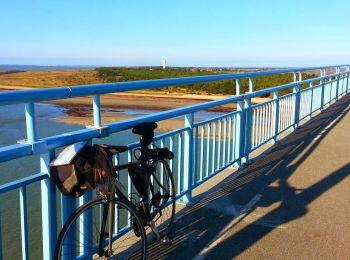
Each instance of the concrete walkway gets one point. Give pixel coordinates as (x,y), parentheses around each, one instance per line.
(291,203)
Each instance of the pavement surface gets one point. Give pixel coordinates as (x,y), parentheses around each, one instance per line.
(293,202)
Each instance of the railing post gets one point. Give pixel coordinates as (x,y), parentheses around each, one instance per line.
(85,234)
(312,99)
(239,134)
(344,78)
(251,86)
(330,83)
(347,83)
(24,222)
(48,208)
(276,112)
(188,159)
(296,90)
(248,128)
(322,93)
(294,77)
(30,122)
(97,111)
(245,129)
(68,206)
(337,88)
(238,128)
(238,87)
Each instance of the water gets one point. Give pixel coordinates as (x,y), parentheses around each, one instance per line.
(12,129)
(8,67)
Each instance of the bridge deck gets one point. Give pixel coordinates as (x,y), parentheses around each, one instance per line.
(291,203)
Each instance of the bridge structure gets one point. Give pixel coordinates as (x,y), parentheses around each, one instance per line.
(203,148)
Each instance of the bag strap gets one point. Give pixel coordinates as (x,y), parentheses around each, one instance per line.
(104,174)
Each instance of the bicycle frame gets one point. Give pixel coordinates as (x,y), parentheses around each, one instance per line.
(145,199)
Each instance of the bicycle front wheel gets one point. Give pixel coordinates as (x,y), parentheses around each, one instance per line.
(85,235)
(162,197)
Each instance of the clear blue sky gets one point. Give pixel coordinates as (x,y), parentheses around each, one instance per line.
(185,32)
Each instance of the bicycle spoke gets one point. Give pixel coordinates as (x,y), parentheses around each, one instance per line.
(124,245)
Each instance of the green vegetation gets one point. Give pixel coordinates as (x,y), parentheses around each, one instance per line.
(227,87)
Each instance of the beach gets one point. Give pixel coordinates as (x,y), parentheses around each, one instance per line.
(114,107)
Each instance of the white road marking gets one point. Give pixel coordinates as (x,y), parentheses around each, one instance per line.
(238,217)
(271,222)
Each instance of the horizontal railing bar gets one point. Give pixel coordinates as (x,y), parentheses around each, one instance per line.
(285,86)
(201,123)
(253,148)
(127,124)
(23,182)
(171,133)
(56,141)
(307,89)
(11,152)
(305,116)
(263,103)
(36,95)
(284,130)
(158,137)
(286,95)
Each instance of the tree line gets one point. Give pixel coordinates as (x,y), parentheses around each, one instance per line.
(225,87)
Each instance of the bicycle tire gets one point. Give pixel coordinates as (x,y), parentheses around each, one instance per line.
(137,244)
(162,197)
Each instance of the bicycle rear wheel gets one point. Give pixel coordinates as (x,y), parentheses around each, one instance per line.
(162,197)
(88,226)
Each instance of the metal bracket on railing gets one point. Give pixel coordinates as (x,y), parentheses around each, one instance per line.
(38,147)
(103,130)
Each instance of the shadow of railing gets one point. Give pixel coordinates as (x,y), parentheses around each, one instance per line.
(198,225)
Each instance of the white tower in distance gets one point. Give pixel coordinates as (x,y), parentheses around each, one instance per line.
(164,63)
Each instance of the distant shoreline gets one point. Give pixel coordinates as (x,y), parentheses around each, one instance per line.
(79,110)
(9,67)
(115,106)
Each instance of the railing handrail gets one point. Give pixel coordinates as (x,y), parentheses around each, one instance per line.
(262,92)
(37,95)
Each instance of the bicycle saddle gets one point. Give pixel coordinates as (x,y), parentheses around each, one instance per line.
(146,130)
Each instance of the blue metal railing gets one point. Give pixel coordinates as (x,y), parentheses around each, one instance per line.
(203,148)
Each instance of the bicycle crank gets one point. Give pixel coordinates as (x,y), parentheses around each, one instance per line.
(154,229)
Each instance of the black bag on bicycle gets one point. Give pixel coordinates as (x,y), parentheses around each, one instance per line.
(80,167)
(73,169)
(138,176)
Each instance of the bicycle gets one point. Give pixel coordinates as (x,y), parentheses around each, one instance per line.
(154,210)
